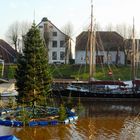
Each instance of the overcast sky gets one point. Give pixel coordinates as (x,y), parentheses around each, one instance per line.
(59,12)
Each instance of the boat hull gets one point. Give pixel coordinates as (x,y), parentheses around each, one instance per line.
(68,93)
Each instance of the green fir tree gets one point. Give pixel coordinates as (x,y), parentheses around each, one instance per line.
(33,76)
(62,113)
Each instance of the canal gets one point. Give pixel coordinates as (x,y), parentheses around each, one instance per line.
(98,120)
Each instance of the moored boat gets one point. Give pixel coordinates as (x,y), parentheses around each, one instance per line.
(102,89)
(9,93)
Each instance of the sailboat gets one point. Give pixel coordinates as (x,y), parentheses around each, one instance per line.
(103,88)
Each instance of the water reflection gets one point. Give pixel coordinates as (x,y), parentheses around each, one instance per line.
(99,120)
(95,108)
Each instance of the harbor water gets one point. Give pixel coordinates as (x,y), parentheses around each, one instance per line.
(98,120)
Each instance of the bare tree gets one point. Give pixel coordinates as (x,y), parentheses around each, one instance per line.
(126,32)
(46,35)
(15,31)
(98,27)
(12,34)
(109,27)
(24,27)
(68,30)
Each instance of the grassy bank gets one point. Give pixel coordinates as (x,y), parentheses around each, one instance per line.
(80,72)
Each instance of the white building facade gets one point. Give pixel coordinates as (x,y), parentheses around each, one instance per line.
(108,48)
(58,42)
(107,58)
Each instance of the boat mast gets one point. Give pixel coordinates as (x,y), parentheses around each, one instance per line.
(133,53)
(92,47)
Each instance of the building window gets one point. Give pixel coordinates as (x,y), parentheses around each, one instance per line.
(54,44)
(54,33)
(109,58)
(54,55)
(40,26)
(62,55)
(61,43)
(51,27)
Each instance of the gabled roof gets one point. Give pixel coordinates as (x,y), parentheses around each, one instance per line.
(7,53)
(104,41)
(128,43)
(45,19)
